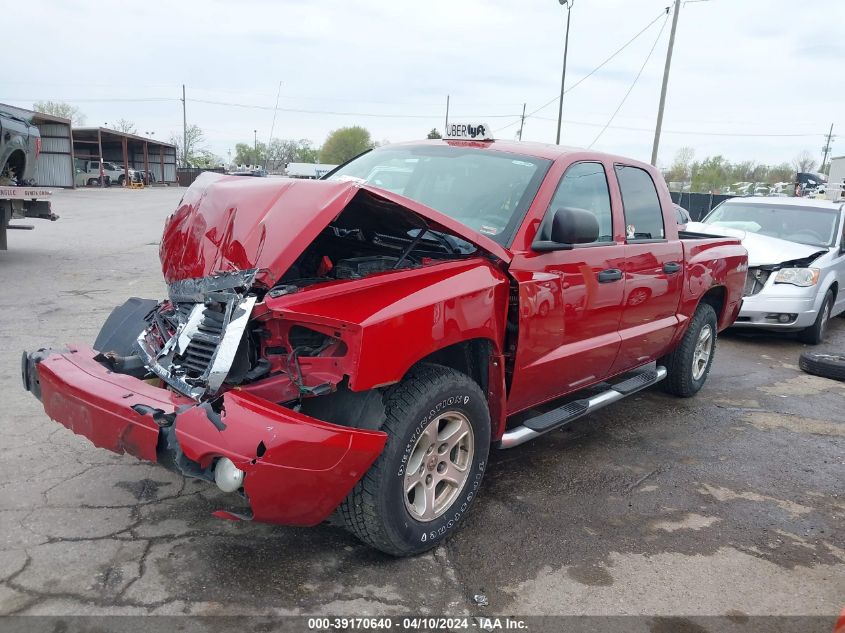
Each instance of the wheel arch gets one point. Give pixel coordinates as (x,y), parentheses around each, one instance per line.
(481,360)
(716,298)
(17,160)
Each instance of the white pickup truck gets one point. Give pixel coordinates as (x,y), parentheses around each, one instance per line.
(88,173)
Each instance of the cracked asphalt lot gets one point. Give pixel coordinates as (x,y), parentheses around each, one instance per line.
(731,503)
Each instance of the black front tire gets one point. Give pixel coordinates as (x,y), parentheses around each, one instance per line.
(376,510)
(682,378)
(815,334)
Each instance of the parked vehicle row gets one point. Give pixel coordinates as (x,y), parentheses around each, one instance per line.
(96,173)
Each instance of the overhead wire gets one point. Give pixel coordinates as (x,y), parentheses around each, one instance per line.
(591,73)
(633,83)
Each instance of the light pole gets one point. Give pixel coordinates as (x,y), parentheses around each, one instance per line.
(255,146)
(568,4)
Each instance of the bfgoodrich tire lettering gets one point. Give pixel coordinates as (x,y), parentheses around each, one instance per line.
(687,369)
(376,510)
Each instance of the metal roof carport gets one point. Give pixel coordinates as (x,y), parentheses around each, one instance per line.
(54,165)
(126,150)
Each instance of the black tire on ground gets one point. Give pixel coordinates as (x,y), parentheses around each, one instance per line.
(121,180)
(824,365)
(376,511)
(93,182)
(687,368)
(815,334)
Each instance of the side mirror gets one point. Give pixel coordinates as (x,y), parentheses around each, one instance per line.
(570,226)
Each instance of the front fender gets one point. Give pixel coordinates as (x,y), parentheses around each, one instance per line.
(403,316)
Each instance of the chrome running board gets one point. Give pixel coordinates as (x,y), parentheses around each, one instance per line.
(556,418)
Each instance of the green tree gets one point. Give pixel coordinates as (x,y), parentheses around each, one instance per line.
(61,109)
(284,151)
(345,143)
(434,133)
(250,153)
(710,175)
(781,173)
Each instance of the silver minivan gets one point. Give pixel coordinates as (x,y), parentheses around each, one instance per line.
(796,261)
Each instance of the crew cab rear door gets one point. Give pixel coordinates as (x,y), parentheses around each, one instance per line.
(569,300)
(653,269)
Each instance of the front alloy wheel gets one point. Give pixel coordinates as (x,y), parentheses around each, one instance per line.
(424,482)
(439,466)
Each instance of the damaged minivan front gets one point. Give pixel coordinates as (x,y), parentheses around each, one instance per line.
(253,372)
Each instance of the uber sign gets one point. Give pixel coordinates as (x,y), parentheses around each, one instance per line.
(469,131)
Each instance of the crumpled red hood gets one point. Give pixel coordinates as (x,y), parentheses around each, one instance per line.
(227,223)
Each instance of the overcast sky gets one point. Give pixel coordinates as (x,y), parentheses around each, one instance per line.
(740,67)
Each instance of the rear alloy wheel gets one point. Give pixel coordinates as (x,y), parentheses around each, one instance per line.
(688,365)
(815,334)
(425,480)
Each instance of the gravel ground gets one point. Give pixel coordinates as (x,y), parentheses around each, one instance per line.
(730,503)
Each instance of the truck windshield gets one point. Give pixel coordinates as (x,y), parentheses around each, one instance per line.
(488,191)
(814,226)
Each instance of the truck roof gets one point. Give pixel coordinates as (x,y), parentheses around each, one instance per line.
(528,148)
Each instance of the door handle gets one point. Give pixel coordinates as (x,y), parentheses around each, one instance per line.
(609,275)
(671,267)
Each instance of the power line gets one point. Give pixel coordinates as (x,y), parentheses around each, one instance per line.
(633,83)
(592,72)
(340,113)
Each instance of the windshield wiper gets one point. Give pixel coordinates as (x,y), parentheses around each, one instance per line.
(421,233)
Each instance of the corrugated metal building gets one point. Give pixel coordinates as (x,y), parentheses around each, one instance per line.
(128,150)
(54,166)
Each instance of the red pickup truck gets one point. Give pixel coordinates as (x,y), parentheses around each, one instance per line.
(352,347)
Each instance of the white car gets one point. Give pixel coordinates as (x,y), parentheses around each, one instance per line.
(796,261)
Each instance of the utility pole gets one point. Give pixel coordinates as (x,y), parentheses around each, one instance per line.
(521,121)
(826,148)
(665,83)
(568,4)
(184,131)
(445,132)
(255,146)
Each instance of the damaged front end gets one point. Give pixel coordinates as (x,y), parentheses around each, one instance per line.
(293,469)
(252,373)
(172,394)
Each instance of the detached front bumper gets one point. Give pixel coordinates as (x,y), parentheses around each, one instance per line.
(297,469)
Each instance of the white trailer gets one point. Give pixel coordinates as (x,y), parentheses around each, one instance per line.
(17,203)
(837,170)
(307,170)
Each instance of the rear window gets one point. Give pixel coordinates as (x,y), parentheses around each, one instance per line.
(643,213)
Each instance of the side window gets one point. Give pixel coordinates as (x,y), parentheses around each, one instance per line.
(584,186)
(643,214)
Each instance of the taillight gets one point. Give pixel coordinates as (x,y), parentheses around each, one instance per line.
(37,146)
